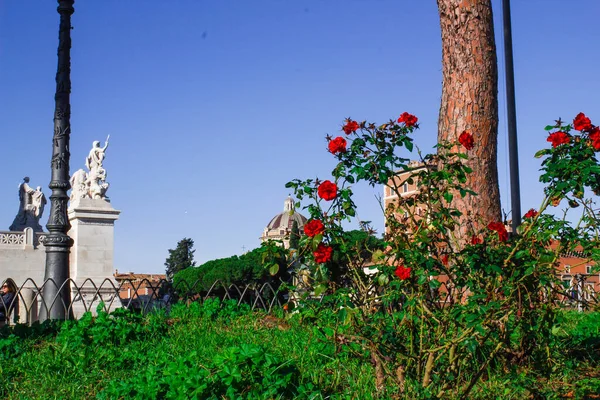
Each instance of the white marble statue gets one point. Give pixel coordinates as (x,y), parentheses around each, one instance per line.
(96,155)
(97,183)
(31,207)
(38,202)
(79,187)
(91,184)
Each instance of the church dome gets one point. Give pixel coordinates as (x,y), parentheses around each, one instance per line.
(280,226)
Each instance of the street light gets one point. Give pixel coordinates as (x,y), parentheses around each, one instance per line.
(513,149)
(56,291)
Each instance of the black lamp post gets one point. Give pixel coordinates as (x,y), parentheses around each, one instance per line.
(513,148)
(56,291)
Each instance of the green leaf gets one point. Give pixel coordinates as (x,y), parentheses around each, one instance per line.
(434,284)
(274,269)
(549,127)
(448,197)
(546,259)
(383,280)
(542,152)
(320,290)
(316,240)
(378,255)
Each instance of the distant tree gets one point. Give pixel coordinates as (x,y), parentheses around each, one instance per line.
(251,267)
(180,258)
(294,236)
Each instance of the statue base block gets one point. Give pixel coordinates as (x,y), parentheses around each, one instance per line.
(92,230)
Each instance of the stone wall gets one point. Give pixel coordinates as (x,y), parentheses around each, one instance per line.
(22,256)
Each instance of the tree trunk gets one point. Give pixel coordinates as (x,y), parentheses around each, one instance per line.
(470,103)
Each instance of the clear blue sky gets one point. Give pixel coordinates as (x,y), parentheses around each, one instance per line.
(212,106)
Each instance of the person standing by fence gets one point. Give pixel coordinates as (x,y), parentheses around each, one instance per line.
(7,299)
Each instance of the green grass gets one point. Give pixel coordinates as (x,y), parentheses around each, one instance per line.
(205,351)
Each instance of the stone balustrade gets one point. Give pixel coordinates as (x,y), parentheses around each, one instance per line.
(21,240)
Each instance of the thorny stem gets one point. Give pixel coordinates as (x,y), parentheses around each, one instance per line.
(481,369)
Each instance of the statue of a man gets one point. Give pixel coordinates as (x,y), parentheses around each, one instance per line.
(26,216)
(38,202)
(93,183)
(96,155)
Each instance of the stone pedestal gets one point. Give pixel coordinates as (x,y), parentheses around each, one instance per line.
(92,254)
(92,230)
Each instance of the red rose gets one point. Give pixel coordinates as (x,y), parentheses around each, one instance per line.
(558,138)
(500,229)
(313,228)
(476,240)
(337,145)
(402,272)
(445,260)
(327,190)
(595,138)
(466,139)
(582,123)
(408,119)
(323,253)
(350,127)
(531,214)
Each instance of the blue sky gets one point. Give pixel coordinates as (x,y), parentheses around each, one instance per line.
(212,106)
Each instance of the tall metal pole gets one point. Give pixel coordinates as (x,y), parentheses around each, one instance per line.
(57,292)
(513,150)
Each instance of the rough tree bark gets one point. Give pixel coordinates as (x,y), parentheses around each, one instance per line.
(470,102)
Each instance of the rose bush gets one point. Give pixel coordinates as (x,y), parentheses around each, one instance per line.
(435,312)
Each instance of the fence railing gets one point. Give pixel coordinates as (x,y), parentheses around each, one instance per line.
(145,295)
(140,295)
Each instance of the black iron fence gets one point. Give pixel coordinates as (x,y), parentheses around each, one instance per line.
(25,301)
(140,295)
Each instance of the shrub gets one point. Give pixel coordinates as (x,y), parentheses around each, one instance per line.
(450,299)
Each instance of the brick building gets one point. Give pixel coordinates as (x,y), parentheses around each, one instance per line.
(573,269)
(132,285)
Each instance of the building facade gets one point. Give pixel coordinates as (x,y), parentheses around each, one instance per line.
(577,273)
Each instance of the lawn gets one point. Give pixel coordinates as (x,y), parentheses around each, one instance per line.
(218,351)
